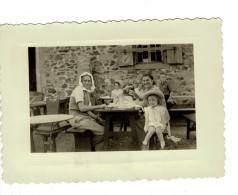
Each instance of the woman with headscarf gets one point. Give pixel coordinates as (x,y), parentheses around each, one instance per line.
(81,106)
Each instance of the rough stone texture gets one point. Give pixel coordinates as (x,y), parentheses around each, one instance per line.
(61,66)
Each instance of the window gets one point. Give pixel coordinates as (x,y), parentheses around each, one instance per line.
(147,53)
(151,54)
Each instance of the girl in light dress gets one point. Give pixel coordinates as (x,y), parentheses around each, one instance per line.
(156,117)
(117,93)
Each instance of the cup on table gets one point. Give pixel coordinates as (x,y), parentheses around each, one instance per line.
(107,101)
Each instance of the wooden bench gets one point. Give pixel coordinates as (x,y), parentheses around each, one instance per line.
(183,107)
(82,139)
(190,118)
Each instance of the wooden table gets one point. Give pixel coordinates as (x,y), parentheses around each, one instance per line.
(110,114)
(42,106)
(190,118)
(46,119)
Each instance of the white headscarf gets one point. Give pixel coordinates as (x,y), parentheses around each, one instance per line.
(81,84)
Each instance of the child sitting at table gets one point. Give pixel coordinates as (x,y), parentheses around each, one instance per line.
(156,117)
(128,91)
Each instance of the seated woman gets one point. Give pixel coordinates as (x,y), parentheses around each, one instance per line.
(117,93)
(81,106)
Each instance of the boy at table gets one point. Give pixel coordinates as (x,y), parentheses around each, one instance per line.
(166,89)
(81,106)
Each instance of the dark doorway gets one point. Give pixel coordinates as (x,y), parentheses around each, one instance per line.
(156,56)
(159,56)
(32,68)
(140,57)
(145,54)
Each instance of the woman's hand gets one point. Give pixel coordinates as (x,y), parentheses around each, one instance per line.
(100,120)
(131,92)
(102,106)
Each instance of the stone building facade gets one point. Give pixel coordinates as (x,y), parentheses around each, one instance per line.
(60,67)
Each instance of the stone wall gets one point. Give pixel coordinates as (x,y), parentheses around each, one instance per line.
(61,66)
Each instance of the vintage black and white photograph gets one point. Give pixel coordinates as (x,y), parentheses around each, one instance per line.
(112,105)
(112,98)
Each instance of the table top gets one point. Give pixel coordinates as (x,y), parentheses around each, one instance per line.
(42,119)
(110,110)
(191,117)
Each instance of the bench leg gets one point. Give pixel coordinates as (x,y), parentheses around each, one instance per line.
(54,143)
(188,128)
(45,139)
(32,140)
(83,142)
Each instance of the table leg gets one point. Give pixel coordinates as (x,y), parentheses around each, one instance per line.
(111,124)
(32,140)
(133,127)
(188,128)
(125,123)
(66,107)
(106,131)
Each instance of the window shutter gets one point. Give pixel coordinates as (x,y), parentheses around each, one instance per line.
(174,56)
(126,56)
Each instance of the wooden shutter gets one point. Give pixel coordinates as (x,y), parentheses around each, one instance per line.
(126,56)
(174,56)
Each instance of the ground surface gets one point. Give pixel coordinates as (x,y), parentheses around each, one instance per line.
(65,142)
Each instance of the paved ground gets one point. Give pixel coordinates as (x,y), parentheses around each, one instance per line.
(65,142)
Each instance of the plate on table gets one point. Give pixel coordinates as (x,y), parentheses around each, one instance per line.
(123,106)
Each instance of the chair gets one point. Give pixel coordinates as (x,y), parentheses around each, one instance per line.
(35,97)
(49,132)
(154,138)
(52,106)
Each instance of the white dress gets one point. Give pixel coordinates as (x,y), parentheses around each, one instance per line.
(116,94)
(156,116)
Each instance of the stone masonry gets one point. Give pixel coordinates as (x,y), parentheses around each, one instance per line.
(60,68)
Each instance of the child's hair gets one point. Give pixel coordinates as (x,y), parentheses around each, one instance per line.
(130,86)
(117,83)
(157,97)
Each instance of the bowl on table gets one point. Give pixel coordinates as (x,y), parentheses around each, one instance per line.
(107,100)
